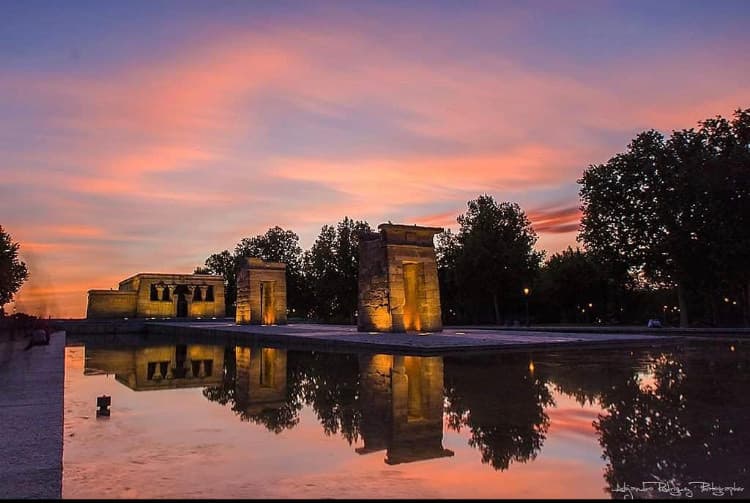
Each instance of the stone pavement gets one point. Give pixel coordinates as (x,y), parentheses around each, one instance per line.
(451,340)
(31,420)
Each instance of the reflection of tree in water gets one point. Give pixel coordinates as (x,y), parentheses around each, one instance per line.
(502,403)
(275,419)
(585,376)
(329,383)
(690,425)
(224,392)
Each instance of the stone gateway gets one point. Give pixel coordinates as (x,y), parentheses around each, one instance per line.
(398,281)
(261,293)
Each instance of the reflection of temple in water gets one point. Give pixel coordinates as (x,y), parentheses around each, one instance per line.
(159,367)
(261,379)
(402,407)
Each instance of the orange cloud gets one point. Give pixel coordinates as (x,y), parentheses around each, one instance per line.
(162,161)
(556,220)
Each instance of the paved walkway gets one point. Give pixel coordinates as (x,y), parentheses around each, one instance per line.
(31,420)
(447,341)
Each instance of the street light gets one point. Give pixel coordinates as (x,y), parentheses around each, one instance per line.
(526,292)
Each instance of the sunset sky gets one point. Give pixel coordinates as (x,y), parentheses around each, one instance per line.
(144,136)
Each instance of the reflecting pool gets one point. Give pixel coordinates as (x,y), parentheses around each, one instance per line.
(209,421)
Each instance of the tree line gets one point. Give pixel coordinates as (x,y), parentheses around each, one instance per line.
(663,234)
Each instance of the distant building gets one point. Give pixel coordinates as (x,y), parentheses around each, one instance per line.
(398,281)
(156,295)
(261,293)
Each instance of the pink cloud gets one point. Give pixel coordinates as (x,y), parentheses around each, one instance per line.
(171,154)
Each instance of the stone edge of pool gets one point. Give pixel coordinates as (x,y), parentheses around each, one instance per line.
(31,415)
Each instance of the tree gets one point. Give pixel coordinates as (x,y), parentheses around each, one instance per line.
(13,272)
(447,251)
(223,264)
(574,283)
(332,270)
(668,208)
(507,421)
(497,257)
(278,245)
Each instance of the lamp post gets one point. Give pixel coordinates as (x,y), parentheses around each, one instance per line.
(526,292)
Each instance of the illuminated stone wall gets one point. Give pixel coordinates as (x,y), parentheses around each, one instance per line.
(398,281)
(261,293)
(111,304)
(147,295)
(402,407)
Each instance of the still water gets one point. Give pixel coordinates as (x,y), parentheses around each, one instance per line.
(202,421)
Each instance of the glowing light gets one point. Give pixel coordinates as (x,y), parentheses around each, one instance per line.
(731,348)
(460,333)
(726,299)
(526,291)
(531,367)
(591,305)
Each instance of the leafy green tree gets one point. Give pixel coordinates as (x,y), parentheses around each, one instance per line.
(497,257)
(674,210)
(447,251)
(278,245)
(223,264)
(728,177)
(13,272)
(332,270)
(573,282)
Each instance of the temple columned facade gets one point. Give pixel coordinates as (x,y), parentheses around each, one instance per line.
(155,295)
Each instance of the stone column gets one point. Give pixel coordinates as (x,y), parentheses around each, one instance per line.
(189,299)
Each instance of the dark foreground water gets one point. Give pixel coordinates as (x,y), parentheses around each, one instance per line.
(196,420)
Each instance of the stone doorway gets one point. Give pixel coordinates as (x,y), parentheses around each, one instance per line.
(413,287)
(182,303)
(267,304)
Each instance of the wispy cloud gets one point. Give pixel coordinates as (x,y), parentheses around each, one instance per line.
(158,161)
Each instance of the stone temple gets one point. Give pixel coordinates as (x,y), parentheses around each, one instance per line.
(261,293)
(398,281)
(152,295)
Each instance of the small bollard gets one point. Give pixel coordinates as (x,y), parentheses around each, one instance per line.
(102,405)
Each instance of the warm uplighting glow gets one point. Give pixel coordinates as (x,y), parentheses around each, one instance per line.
(412,320)
(531,367)
(526,291)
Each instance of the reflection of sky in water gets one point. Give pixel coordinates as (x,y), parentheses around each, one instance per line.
(177,443)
